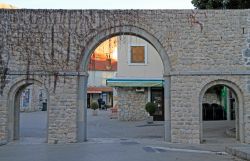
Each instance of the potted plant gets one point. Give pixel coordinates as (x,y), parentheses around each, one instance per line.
(150,108)
(94,106)
(106,106)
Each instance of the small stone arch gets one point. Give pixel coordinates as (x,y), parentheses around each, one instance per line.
(240,103)
(12,93)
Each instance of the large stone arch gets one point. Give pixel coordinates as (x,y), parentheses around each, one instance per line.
(83,67)
(124,30)
(240,103)
(12,93)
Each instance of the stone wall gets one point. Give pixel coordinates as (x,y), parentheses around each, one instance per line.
(216,44)
(53,47)
(131,104)
(186,106)
(62,112)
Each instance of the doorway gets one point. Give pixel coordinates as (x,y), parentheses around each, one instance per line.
(220,111)
(29,115)
(157,97)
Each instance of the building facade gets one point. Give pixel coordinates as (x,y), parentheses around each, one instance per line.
(102,65)
(139,79)
(97,87)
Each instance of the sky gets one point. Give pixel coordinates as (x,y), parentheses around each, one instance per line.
(101,4)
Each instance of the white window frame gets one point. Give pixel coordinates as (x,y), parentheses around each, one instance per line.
(145,54)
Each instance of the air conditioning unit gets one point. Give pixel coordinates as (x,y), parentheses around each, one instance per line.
(139,89)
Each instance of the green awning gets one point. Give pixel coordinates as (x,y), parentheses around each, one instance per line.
(134,82)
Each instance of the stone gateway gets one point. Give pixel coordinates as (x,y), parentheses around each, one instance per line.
(51,48)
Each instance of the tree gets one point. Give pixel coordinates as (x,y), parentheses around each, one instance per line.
(221,4)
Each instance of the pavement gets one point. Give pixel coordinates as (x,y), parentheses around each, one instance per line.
(214,132)
(110,139)
(33,127)
(111,150)
(102,126)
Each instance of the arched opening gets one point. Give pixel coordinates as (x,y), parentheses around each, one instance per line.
(93,44)
(28,112)
(221,110)
(124,30)
(125,72)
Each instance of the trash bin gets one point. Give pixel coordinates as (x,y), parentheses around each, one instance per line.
(44,106)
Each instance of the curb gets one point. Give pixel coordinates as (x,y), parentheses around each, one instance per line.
(241,152)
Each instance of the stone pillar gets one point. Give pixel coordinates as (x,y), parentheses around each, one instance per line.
(167,109)
(82,108)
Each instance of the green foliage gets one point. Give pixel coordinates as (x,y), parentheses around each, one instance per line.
(94,105)
(221,4)
(150,108)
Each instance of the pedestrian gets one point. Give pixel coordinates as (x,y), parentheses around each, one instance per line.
(100,102)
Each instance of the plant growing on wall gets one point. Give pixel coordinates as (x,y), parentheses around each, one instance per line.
(193,20)
(50,44)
